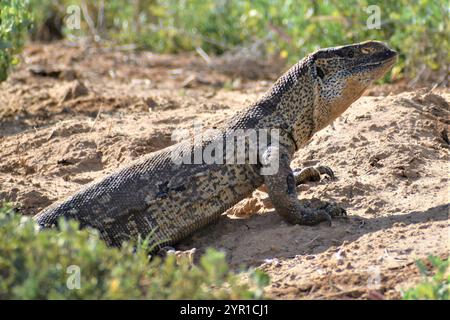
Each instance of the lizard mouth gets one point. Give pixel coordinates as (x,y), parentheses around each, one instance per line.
(388,58)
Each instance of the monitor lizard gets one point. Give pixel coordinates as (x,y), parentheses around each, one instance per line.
(170,200)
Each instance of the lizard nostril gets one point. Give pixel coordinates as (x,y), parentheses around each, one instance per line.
(390,53)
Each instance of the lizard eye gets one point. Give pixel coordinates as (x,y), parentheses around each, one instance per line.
(350,54)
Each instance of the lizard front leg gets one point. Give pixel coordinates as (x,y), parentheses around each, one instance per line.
(281,187)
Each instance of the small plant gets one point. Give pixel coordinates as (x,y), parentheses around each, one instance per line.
(76,264)
(435,284)
(15,21)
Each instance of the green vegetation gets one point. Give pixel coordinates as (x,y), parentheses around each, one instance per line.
(14,23)
(44,265)
(417,29)
(436,282)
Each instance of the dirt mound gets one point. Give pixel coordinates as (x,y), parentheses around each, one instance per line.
(69,116)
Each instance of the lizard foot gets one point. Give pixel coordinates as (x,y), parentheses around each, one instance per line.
(188,255)
(165,251)
(315,211)
(308,174)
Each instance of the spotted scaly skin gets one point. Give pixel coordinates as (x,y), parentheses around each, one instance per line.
(155,194)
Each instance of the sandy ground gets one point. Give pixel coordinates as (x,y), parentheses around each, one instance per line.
(70,114)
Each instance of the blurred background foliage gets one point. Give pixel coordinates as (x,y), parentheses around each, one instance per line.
(288,29)
(15,20)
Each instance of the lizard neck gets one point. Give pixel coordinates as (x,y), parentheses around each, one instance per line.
(295,109)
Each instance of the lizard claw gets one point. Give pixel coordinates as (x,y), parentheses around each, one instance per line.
(326,170)
(316,211)
(335,211)
(165,251)
(309,174)
(332,210)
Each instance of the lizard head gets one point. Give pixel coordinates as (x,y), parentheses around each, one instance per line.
(342,74)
